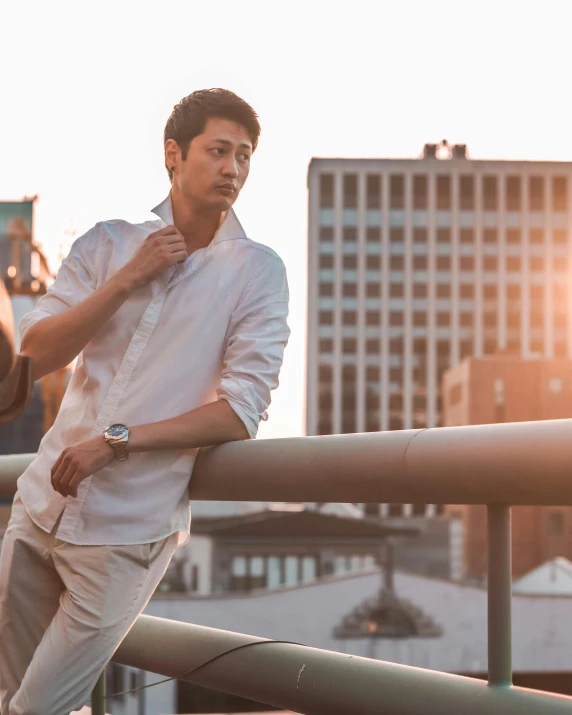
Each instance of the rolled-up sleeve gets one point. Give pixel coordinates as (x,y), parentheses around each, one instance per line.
(257,334)
(76,279)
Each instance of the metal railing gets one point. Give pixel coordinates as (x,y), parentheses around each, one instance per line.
(496,465)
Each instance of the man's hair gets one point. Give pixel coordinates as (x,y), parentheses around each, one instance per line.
(189,117)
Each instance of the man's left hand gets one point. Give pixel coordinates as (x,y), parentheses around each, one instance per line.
(78,463)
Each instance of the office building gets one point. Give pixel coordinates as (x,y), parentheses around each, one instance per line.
(415,264)
(506,388)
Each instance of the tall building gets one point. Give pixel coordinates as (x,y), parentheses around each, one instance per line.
(415,264)
(506,388)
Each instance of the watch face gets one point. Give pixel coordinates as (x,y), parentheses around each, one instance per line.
(117,430)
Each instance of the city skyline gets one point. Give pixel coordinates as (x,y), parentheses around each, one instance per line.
(85,132)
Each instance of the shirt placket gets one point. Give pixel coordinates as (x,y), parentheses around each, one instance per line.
(132,355)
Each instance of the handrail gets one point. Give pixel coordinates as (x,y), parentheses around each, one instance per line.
(525,463)
(314,681)
(522,463)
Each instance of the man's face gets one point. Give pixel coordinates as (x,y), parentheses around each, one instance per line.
(216,167)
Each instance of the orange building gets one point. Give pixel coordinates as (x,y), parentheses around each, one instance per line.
(506,388)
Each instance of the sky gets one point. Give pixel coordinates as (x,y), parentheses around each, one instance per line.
(87,87)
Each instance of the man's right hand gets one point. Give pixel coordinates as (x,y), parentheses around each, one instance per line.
(159,251)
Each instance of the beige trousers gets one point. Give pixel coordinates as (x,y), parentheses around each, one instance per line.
(64,609)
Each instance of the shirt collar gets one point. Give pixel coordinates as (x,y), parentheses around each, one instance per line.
(229,229)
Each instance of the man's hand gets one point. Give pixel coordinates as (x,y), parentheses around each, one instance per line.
(159,251)
(79,462)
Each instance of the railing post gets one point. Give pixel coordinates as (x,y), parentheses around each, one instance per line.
(499,595)
(98,696)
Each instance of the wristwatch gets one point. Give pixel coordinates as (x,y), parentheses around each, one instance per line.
(117,436)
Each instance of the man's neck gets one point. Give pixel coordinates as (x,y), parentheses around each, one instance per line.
(198,228)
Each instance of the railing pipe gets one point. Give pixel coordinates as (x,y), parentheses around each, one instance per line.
(98,696)
(317,682)
(524,463)
(499,596)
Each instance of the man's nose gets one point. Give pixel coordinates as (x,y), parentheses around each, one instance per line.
(230,167)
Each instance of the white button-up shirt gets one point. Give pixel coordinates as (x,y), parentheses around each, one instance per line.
(213,327)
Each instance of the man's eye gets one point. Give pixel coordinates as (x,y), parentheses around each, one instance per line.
(218,148)
(245,157)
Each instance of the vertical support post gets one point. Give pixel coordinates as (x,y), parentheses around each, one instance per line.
(98,696)
(499,595)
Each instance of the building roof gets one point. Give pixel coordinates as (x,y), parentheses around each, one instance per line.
(542,627)
(551,578)
(296,524)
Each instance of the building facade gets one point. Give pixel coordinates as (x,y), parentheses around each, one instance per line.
(506,388)
(415,264)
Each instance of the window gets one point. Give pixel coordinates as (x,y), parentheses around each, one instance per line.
(559,193)
(513,189)
(513,263)
(349,290)
(373,234)
(513,235)
(327,191)
(326,261)
(443,235)
(490,235)
(467,190)
(373,290)
(467,235)
(536,193)
(559,236)
(555,523)
(420,201)
(373,262)
(349,317)
(467,263)
(372,317)
(396,192)
(443,193)
(326,289)
(350,191)
(326,346)
(490,193)
(373,191)
(420,235)
(326,317)
(350,233)
(536,236)
(350,261)
(309,569)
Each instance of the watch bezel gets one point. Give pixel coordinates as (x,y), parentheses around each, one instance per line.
(117,437)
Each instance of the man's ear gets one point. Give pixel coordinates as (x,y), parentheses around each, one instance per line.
(172,154)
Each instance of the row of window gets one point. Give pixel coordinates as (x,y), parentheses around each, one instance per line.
(513,236)
(519,191)
(250,572)
(444,263)
(490,291)
(513,344)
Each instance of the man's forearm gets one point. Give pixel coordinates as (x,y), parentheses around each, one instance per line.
(54,342)
(205,426)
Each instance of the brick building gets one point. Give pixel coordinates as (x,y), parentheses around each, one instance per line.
(506,388)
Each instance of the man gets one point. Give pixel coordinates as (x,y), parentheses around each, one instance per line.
(179,325)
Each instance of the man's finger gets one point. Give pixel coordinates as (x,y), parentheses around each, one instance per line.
(66,479)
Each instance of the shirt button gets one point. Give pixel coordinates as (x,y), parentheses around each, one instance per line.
(100,422)
(119,381)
